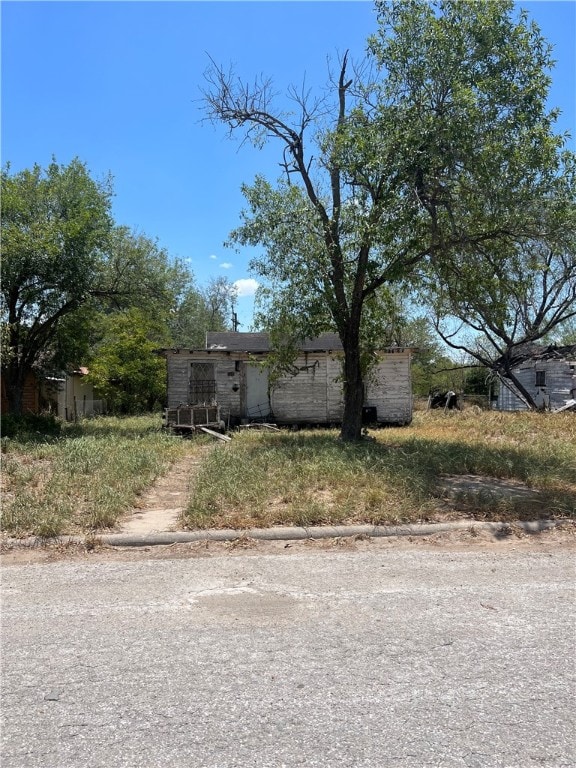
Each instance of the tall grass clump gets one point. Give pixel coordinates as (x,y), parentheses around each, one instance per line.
(86,478)
(306,478)
(312,478)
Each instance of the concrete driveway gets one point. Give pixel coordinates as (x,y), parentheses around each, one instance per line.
(385,658)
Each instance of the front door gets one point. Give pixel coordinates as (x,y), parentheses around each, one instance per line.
(257,399)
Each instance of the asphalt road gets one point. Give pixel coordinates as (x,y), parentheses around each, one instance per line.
(382,659)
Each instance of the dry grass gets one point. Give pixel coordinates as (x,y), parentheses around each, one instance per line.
(311,478)
(84,479)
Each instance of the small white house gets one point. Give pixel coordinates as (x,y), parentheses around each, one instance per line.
(547,373)
(72,396)
(232,371)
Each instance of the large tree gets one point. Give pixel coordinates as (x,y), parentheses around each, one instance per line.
(492,305)
(486,160)
(440,151)
(202,309)
(66,268)
(137,271)
(55,226)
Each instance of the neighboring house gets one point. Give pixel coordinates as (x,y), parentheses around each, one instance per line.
(69,396)
(72,396)
(231,371)
(547,373)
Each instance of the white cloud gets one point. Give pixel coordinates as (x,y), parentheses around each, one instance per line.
(246,286)
(213,256)
(226,265)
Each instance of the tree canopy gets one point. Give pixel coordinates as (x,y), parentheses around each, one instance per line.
(476,128)
(55,225)
(75,285)
(490,306)
(437,150)
(124,367)
(200,310)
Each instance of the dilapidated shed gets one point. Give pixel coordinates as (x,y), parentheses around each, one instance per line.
(232,372)
(548,373)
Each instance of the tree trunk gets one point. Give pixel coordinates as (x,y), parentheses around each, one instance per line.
(14,376)
(353,394)
(522,392)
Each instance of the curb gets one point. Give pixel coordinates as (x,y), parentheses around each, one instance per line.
(290,533)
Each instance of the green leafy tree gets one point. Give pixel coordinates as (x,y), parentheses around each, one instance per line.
(478,381)
(432,368)
(134,272)
(137,271)
(486,162)
(55,225)
(125,369)
(66,267)
(488,307)
(442,151)
(201,310)
(149,301)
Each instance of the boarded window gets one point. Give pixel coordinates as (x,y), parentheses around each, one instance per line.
(540,378)
(202,384)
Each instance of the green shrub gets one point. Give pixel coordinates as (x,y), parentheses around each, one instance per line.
(30,425)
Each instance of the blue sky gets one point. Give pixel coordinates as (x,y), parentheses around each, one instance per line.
(117,84)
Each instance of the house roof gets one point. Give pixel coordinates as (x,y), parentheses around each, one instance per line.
(254,343)
(237,342)
(260,342)
(540,352)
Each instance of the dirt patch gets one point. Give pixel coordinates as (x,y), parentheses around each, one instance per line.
(481,496)
(482,485)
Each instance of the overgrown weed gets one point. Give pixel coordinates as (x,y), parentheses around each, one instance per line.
(86,478)
(83,479)
(311,478)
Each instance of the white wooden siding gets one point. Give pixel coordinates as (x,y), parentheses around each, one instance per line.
(178,380)
(508,401)
(314,395)
(228,388)
(334,388)
(389,389)
(226,377)
(302,398)
(560,385)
